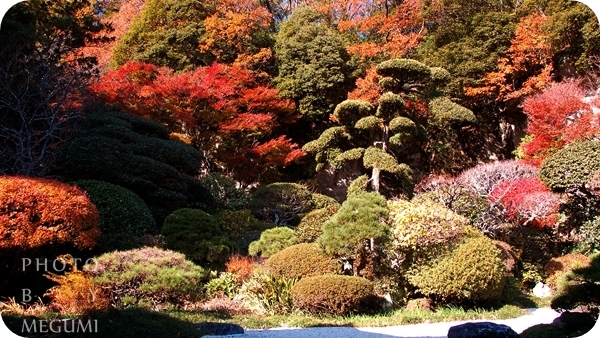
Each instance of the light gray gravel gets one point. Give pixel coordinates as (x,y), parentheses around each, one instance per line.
(424,330)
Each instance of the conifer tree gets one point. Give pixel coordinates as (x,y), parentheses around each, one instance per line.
(380,135)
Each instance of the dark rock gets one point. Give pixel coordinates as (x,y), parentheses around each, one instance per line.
(481,330)
(220,329)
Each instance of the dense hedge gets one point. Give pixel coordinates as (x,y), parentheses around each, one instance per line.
(333,295)
(137,154)
(272,241)
(147,276)
(572,166)
(300,260)
(124,218)
(197,235)
(473,272)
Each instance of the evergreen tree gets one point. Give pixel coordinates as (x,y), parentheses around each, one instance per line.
(380,135)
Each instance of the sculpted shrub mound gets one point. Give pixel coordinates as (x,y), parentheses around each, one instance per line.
(281,203)
(333,295)
(124,217)
(571,167)
(419,230)
(299,261)
(472,272)
(147,276)
(272,241)
(35,212)
(197,235)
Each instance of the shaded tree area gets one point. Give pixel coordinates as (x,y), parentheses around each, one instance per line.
(42,73)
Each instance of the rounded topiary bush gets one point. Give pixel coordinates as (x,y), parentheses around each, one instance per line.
(322,201)
(420,230)
(272,241)
(124,217)
(300,260)
(333,294)
(197,235)
(147,276)
(472,272)
(311,225)
(558,266)
(572,166)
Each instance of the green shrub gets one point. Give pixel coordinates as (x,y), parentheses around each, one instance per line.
(333,295)
(471,272)
(300,260)
(322,201)
(571,167)
(147,276)
(424,230)
(360,184)
(225,284)
(136,153)
(311,225)
(197,235)
(589,233)
(124,218)
(281,203)
(272,241)
(461,200)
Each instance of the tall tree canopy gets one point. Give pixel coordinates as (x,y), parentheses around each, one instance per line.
(314,68)
(231,118)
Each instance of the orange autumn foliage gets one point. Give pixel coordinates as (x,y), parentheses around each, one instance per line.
(527,67)
(241,266)
(36,212)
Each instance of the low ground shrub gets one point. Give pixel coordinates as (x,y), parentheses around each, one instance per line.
(311,225)
(580,287)
(322,201)
(124,217)
(272,241)
(299,261)
(263,294)
(333,295)
(473,272)
(197,235)
(224,285)
(147,276)
(75,292)
(241,266)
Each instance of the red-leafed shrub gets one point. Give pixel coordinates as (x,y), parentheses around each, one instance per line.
(556,117)
(41,217)
(241,266)
(35,212)
(527,201)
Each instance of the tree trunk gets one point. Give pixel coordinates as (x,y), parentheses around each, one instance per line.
(375,177)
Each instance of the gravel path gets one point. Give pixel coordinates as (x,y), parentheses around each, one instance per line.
(424,330)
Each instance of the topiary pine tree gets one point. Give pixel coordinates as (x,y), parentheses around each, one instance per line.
(379,135)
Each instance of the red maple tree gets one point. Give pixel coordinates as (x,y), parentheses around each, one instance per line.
(230,116)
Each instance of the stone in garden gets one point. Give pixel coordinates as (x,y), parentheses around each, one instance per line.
(482,330)
(542,290)
(220,329)
(419,303)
